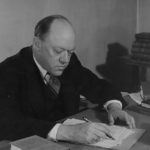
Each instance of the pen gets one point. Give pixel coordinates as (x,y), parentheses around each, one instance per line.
(86,119)
(108,135)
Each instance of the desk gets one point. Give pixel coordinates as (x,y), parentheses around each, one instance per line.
(142,121)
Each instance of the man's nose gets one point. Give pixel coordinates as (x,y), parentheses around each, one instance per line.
(65,57)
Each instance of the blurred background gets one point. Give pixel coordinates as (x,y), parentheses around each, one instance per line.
(105,31)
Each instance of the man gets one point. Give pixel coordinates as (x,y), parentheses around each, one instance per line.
(30,104)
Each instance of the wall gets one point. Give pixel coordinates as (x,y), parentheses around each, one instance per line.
(17,18)
(144,17)
(97,23)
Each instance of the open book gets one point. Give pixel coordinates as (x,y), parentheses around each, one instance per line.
(119,133)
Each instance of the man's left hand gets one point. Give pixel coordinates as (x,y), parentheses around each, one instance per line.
(117,113)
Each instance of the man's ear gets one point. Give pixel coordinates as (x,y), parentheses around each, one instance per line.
(36,44)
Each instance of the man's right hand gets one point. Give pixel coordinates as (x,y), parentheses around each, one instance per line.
(86,133)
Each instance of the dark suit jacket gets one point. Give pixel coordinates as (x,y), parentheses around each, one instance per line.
(28,107)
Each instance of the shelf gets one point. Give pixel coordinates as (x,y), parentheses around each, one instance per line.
(131,61)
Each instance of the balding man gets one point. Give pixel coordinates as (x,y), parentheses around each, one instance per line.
(43,83)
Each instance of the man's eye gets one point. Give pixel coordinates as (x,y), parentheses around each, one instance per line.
(58,51)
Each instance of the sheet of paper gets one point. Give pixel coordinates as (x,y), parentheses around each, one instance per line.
(118,132)
(136,97)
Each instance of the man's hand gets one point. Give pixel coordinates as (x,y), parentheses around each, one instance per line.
(86,133)
(115,112)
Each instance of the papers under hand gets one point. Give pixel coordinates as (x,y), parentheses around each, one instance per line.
(108,135)
(119,133)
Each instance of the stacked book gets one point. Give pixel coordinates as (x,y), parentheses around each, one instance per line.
(36,143)
(140,50)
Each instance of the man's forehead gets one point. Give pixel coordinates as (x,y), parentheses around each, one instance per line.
(61,28)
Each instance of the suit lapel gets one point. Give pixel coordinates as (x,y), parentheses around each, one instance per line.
(37,91)
(70,97)
(39,94)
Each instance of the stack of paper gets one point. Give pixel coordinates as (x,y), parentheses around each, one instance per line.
(118,132)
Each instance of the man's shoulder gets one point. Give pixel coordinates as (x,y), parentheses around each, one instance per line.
(74,60)
(73,69)
(74,57)
(17,60)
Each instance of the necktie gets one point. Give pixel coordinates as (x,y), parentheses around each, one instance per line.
(53,82)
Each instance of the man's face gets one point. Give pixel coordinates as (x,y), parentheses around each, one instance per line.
(57,48)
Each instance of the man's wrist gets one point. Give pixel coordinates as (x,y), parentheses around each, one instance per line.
(65,133)
(53,132)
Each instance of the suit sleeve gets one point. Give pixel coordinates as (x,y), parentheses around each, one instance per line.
(95,89)
(14,123)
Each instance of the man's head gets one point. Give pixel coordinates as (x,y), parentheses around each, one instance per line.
(53,44)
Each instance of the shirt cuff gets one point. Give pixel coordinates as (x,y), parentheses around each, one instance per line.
(110,102)
(53,132)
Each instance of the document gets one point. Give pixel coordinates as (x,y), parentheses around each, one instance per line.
(120,133)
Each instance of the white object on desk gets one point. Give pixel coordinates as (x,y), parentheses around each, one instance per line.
(119,133)
(136,97)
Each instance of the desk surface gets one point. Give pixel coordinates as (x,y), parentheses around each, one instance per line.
(142,121)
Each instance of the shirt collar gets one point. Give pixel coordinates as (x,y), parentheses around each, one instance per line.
(42,70)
